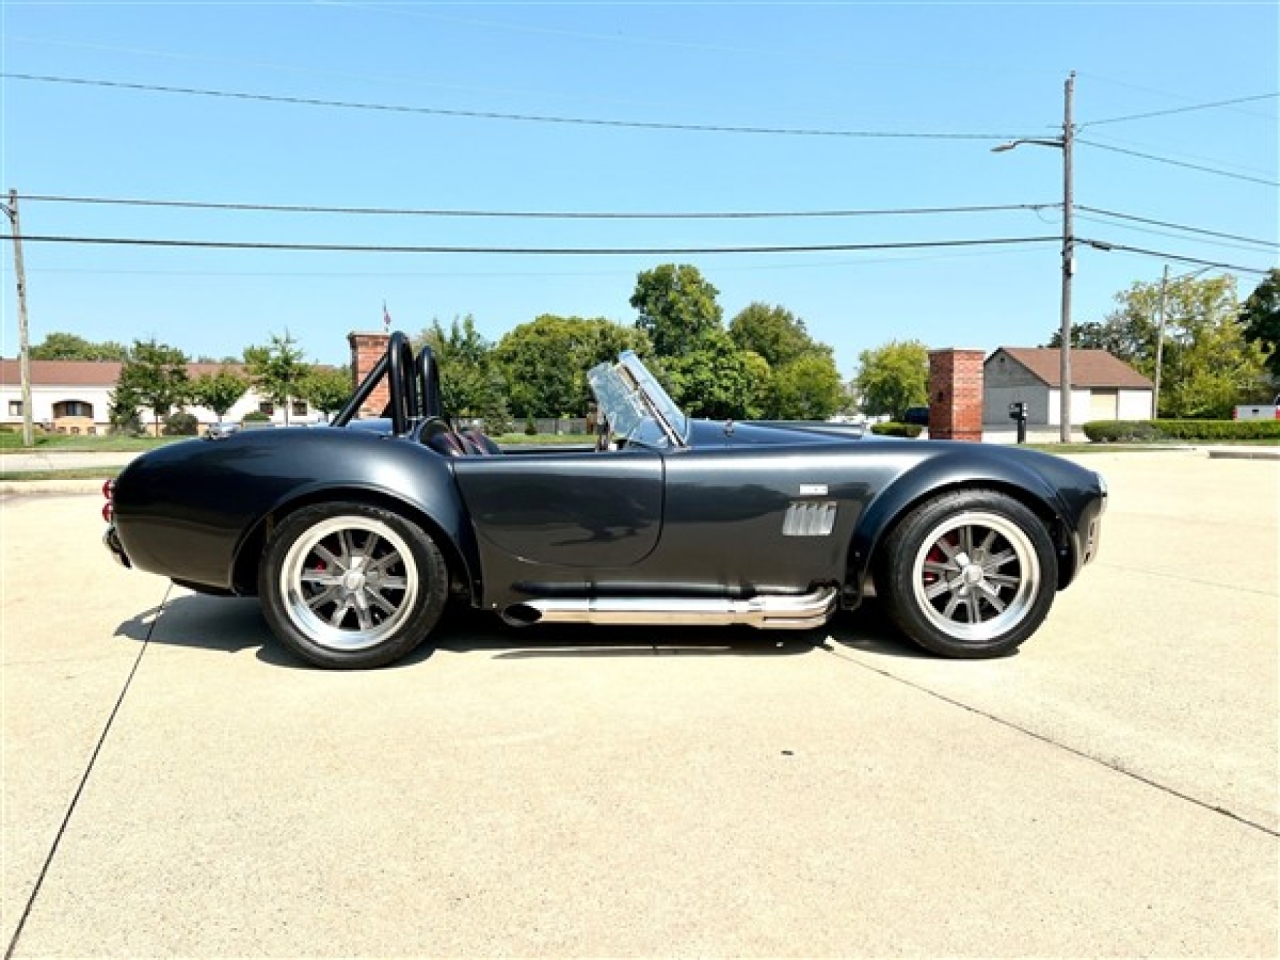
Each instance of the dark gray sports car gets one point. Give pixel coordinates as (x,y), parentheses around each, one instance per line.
(355,535)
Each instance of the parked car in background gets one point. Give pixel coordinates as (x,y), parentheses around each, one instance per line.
(355,536)
(222,429)
(919,416)
(1258,411)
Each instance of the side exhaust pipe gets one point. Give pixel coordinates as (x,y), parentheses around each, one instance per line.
(770,612)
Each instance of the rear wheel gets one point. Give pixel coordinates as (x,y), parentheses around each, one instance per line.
(348,585)
(971,574)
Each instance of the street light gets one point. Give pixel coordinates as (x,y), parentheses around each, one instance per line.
(1062,143)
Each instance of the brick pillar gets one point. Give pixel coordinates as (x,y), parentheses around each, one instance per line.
(366,350)
(955,394)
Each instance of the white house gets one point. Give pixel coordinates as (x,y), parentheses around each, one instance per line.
(74,396)
(1103,387)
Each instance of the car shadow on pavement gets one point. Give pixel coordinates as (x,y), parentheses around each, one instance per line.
(230,625)
(869,630)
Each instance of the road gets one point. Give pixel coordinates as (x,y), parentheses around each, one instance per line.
(176,785)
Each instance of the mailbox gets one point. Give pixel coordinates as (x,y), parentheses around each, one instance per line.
(1018,413)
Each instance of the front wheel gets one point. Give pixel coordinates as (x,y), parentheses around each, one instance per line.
(970,574)
(348,585)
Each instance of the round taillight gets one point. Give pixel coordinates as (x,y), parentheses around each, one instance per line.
(108,511)
(108,488)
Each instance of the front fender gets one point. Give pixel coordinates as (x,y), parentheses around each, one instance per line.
(953,470)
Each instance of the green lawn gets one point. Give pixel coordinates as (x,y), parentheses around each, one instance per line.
(11,442)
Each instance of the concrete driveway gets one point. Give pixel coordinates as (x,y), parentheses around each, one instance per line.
(175,785)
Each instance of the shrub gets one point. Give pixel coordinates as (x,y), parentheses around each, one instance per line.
(894,429)
(257,416)
(530,428)
(181,424)
(1146,431)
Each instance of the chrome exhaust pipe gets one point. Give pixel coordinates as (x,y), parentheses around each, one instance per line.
(769,612)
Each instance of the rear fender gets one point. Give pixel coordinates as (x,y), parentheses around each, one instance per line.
(442,516)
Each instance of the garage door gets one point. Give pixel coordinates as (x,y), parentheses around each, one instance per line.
(1104,404)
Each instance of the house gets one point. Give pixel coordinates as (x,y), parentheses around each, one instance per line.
(1103,387)
(74,396)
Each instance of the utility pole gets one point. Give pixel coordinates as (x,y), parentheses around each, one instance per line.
(1063,143)
(1068,257)
(1164,299)
(24,349)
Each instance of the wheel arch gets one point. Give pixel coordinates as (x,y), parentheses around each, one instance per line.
(462,559)
(898,500)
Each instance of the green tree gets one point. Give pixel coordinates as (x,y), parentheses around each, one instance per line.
(893,377)
(155,376)
(677,307)
(122,410)
(1210,369)
(545,361)
(276,370)
(1207,365)
(326,388)
(717,380)
(1260,317)
(775,333)
(219,391)
(470,383)
(69,346)
(807,388)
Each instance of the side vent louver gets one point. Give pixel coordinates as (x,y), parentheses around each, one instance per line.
(809,520)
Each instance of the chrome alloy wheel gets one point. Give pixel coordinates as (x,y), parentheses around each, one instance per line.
(349,582)
(976,576)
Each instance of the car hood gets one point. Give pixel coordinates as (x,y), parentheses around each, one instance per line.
(732,433)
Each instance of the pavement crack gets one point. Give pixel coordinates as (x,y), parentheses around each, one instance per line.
(84,780)
(1026,731)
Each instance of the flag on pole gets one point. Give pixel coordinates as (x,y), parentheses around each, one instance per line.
(386,318)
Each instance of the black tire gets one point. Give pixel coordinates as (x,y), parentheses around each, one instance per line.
(351,586)
(969,574)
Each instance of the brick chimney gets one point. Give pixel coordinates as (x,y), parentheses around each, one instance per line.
(366,350)
(955,394)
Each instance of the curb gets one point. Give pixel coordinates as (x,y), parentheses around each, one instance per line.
(1243,453)
(51,487)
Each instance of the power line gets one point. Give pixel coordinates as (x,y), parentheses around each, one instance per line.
(532,214)
(1178,226)
(1171,234)
(1179,163)
(1124,248)
(532,251)
(1173,110)
(494,115)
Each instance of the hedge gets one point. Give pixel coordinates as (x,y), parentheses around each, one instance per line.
(1129,431)
(893,429)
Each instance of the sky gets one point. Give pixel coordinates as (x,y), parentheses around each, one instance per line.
(604,108)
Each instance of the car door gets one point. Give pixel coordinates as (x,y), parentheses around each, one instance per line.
(571,510)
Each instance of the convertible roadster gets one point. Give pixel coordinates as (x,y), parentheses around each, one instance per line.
(355,535)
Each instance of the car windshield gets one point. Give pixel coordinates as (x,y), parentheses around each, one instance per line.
(639,411)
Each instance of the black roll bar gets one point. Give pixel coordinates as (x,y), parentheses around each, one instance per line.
(407,391)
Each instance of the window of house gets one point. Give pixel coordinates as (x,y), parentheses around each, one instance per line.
(267,407)
(299,408)
(73,408)
(15,408)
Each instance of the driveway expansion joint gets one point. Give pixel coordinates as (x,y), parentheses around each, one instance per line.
(1117,768)
(80,788)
